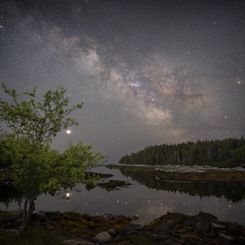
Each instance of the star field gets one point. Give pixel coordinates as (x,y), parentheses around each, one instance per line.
(149,72)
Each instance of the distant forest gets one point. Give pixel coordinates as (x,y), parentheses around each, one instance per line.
(221,153)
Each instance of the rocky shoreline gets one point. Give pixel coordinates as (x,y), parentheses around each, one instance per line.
(172,228)
(211,174)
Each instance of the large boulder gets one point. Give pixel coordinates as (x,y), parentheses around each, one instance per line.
(207,216)
(203,225)
(39,215)
(103,237)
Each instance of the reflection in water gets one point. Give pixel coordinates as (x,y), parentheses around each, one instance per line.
(145,198)
(233,191)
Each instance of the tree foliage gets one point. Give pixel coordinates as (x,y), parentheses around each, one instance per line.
(31,124)
(222,153)
(37,119)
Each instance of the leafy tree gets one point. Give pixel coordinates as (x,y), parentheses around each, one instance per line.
(4,157)
(32,123)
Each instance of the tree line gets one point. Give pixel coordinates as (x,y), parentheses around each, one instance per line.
(228,152)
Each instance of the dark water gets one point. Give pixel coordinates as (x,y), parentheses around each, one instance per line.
(148,198)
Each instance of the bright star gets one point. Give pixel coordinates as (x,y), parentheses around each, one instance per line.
(68,131)
(135,84)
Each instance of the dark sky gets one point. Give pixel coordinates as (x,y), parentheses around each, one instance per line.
(149,72)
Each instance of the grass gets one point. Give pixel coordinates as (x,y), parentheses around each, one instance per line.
(31,237)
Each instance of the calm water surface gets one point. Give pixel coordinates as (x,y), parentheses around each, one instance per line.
(148,199)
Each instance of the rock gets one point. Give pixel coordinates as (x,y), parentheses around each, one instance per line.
(16,231)
(192,239)
(124,243)
(217,226)
(169,222)
(74,216)
(162,227)
(56,216)
(176,217)
(112,184)
(39,215)
(112,232)
(103,237)
(118,239)
(226,237)
(12,216)
(190,220)
(239,240)
(233,228)
(172,241)
(89,187)
(78,242)
(50,227)
(181,231)
(108,216)
(203,226)
(91,174)
(132,227)
(207,216)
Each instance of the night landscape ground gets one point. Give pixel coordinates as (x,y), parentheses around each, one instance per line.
(122,122)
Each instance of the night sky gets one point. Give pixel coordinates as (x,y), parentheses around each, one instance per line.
(149,72)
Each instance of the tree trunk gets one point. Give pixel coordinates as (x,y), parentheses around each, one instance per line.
(28,210)
(24,211)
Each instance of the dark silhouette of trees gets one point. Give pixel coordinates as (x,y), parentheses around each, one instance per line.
(228,152)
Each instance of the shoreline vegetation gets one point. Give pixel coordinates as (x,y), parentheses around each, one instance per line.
(72,228)
(179,173)
(226,153)
(229,183)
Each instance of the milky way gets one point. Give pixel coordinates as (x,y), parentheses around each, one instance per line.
(149,72)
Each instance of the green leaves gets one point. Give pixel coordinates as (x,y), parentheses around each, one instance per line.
(40,119)
(33,123)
